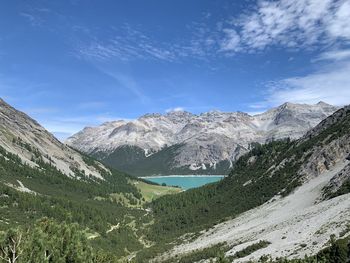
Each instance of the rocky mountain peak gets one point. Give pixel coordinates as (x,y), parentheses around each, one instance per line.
(150,115)
(205,139)
(2,101)
(179,113)
(323,104)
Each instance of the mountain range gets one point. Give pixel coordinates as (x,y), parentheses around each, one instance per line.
(284,199)
(287,198)
(184,143)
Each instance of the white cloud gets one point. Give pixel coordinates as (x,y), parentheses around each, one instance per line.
(290,23)
(231,42)
(176,109)
(339,23)
(334,55)
(330,84)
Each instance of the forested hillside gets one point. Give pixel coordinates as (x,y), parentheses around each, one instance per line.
(106,217)
(28,194)
(132,160)
(268,171)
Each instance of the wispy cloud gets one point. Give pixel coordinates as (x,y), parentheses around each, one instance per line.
(334,55)
(127,82)
(32,19)
(332,86)
(232,40)
(36,16)
(289,23)
(126,43)
(294,24)
(330,83)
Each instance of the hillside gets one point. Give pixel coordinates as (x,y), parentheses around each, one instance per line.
(23,136)
(272,192)
(185,143)
(285,188)
(42,178)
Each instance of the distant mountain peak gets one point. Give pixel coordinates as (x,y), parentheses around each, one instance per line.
(179,113)
(150,115)
(205,139)
(323,104)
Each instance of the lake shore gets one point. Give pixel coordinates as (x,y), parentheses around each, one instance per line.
(185,182)
(190,175)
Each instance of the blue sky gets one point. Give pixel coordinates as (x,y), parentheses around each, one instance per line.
(71,64)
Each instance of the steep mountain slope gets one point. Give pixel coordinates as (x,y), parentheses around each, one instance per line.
(300,184)
(293,226)
(23,136)
(40,177)
(193,144)
(278,192)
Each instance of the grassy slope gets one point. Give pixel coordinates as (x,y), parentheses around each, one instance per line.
(151,192)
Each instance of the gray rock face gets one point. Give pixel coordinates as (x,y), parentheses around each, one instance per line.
(20,135)
(207,138)
(326,156)
(328,152)
(337,181)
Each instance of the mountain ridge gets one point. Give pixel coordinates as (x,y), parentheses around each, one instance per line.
(206,141)
(294,195)
(23,136)
(272,192)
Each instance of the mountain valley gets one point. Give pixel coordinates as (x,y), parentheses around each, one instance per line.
(287,198)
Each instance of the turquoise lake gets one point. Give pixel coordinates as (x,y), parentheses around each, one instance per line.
(185,182)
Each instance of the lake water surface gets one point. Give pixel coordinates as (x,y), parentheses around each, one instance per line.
(185,181)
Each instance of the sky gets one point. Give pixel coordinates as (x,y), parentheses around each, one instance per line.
(76,63)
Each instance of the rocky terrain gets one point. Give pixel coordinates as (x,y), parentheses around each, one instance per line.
(302,222)
(23,136)
(42,179)
(193,144)
(290,195)
(294,226)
